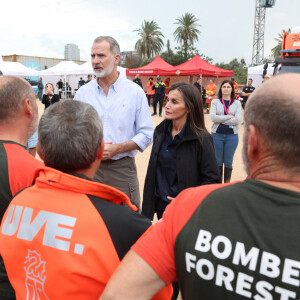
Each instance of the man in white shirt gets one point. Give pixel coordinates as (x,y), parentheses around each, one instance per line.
(123,109)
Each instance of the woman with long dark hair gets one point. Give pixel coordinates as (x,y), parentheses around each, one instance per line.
(183,153)
(225,113)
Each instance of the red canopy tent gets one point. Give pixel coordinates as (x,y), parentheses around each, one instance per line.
(198,66)
(157,67)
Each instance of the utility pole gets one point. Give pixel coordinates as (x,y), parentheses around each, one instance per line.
(259,30)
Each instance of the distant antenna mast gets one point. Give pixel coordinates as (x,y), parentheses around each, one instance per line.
(259,30)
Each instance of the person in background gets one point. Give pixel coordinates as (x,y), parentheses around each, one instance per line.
(122,105)
(182,154)
(138,80)
(18,121)
(59,85)
(211,90)
(159,88)
(150,91)
(89,226)
(247,91)
(225,113)
(235,85)
(49,97)
(81,82)
(197,84)
(41,88)
(31,144)
(89,78)
(239,241)
(167,84)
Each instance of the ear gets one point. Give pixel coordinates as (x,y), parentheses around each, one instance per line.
(28,107)
(38,150)
(117,59)
(253,141)
(100,150)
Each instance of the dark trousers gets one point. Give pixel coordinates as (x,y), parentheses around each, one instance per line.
(122,175)
(149,97)
(160,99)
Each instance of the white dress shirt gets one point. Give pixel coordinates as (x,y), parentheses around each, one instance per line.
(124,112)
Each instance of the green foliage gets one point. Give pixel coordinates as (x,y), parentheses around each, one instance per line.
(150,43)
(275,51)
(187,32)
(239,69)
(182,55)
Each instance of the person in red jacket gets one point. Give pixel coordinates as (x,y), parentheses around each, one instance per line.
(18,121)
(63,237)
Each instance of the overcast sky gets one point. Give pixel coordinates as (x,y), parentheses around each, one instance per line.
(42,28)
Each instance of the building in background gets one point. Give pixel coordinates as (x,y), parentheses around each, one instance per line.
(35,62)
(127,54)
(72,52)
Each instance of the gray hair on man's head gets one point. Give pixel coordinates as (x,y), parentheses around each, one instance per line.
(13,90)
(114,45)
(69,135)
(274,110)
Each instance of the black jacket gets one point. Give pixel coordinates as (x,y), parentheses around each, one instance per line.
(195,165)
(47,101)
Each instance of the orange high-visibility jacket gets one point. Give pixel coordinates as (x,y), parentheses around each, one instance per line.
(149,88)
(17,168)
(235,86)
(211,90)
(63,237)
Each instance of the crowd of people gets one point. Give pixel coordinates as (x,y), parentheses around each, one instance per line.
(72,223)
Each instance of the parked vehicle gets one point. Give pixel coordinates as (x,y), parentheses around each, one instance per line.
(289,61)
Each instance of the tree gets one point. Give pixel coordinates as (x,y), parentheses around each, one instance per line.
(239,69)
(276,50)
(187,32)
(151,42)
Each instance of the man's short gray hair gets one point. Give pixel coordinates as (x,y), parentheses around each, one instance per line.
(13,90)
(69,135)
(274,109)
(114,45)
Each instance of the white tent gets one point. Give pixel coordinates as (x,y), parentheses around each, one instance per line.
(87,68)
(256,74)
(64,68)
(70,72)
(16,69)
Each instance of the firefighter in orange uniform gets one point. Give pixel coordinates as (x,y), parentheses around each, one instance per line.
(211,90)
(235,85)
(63,237)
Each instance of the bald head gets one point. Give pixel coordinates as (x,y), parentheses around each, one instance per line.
(274,110)
(13,90)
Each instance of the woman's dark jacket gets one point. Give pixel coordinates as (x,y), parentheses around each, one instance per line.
(47,101)
(195,165)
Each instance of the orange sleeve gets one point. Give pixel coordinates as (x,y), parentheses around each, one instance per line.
(21,167)
(157,247)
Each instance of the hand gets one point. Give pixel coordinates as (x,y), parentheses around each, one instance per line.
(110,150)
(231,116)
(170,198)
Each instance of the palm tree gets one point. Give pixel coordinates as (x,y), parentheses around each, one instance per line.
(150,43)
(187,33)
(276,50)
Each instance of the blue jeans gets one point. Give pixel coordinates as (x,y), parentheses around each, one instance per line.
(225,146)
